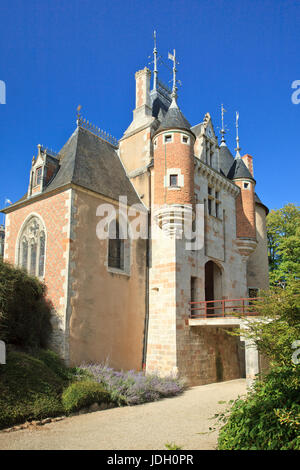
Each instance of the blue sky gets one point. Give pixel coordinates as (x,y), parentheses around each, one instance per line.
(57,54)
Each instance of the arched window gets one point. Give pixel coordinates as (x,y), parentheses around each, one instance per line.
(32,247)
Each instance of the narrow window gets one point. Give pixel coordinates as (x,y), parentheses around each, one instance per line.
(38,176)
(209,206)
(173,180)
(168,138)
(24,249)
(115,248)
(33,254)
(42,255)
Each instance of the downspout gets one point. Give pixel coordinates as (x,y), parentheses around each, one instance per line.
(147,277)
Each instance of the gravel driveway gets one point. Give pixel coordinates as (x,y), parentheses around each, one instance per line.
(184,420)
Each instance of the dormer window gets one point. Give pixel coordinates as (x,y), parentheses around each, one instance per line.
(38,176)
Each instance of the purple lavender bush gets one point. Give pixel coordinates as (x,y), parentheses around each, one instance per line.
(132,387)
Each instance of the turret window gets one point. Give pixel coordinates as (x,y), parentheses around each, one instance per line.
(246,185)
(185,139)
(168,138)
(173,180)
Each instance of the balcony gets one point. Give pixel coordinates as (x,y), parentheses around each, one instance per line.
(225,312)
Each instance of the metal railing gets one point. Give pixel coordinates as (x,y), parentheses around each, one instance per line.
(97,131)
(224,308)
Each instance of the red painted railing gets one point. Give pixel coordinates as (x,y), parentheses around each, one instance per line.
(223,308)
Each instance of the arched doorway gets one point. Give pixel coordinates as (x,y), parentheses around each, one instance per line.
(213,287)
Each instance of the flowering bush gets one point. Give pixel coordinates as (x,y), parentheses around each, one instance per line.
(134,388)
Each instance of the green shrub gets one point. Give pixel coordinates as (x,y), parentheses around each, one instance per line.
(269,417)
(25,312)
(81,394)
(29,389)
(57,365)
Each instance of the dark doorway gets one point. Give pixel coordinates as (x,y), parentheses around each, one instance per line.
(213,288)
(209,287)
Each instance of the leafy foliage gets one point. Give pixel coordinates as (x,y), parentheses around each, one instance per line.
(278,325)
(82,394)
(268,419)
(24,310)
(131,387)
(283,229)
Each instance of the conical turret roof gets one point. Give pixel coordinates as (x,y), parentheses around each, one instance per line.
(226,159)
(239,170)
(174,119)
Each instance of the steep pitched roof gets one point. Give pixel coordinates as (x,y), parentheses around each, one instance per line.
(225,159)
(239,170)
(90,162)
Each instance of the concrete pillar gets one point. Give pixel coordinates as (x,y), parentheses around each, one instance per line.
(252,362)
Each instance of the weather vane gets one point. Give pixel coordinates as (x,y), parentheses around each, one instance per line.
(223,131)
(173,58)
(78,112)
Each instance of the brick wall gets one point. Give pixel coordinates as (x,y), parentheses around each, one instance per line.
(173,155)
(245,212)
(54,211)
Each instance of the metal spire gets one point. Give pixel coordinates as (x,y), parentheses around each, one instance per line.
(155,72)
(223,131)
(173,58)
(238,148)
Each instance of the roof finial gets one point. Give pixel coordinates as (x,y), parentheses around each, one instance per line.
(223,131)
(78,116)
(238,148)
(173,58)
(155,72)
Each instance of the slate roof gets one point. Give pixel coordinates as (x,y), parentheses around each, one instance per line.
(174,119)
(258,201)
(92,163)
(239,170)
(226,160)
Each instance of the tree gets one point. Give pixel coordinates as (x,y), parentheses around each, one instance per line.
(283,231)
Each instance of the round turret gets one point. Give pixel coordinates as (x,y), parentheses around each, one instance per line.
(173,145)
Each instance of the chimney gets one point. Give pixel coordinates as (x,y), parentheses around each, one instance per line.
(142,94)
(248,160)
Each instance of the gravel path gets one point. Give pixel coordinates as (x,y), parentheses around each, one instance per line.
(184,420)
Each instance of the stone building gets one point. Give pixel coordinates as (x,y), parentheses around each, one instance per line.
(126,299)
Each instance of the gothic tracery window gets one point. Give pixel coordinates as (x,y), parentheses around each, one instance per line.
(32,245)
